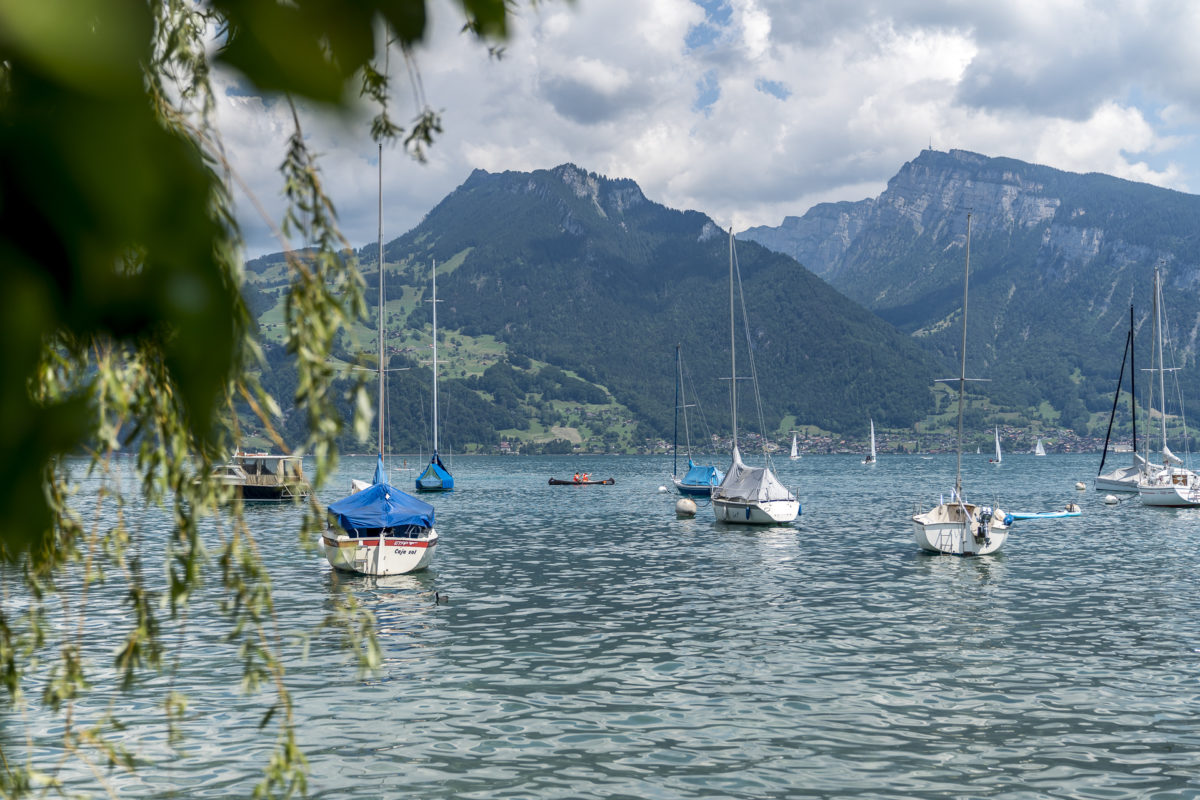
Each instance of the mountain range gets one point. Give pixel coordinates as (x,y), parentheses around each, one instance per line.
(575,289)
(1056,261)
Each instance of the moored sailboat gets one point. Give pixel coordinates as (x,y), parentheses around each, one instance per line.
(378,529)
(1172,484)
(1123,479)
(435,478)
(700,479)
(957,527)
(748,495)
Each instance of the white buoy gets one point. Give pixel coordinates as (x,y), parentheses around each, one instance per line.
(662,489)
(685,507)
(1111,500)
(1080,485)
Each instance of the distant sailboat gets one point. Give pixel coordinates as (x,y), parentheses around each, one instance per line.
(870,459)
(956,527)
(1039,450)
(435,478)
(999,457)
(795,455)
(748,495)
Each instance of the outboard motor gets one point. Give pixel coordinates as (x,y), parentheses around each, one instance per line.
(985,516)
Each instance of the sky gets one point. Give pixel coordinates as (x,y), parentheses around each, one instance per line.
(752,110)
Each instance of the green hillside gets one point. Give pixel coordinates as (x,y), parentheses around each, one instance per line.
(563,295)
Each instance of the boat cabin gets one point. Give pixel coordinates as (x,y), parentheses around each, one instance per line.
(262,476)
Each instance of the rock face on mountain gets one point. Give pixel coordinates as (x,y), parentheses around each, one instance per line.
(820,238)
(1056,260)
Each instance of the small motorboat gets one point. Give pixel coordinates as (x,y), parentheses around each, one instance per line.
(589,482)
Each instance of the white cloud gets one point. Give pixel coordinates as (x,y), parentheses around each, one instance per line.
(859,87)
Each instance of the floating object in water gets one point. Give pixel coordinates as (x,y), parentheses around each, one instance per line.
(662,489)
(440,599)
(685,507)
(1111,499)
(1071,511)
(605,482)
(1080,485)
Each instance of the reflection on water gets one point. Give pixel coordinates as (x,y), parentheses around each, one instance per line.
(594,645)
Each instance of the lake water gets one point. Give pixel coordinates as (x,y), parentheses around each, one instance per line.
(594,646)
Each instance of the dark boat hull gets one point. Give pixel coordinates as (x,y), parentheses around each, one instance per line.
(605,482)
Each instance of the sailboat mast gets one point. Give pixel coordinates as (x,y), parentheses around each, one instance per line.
(675,449)
(1162,392)
(380,322)
(732,344)
(1132,381)
(435,369)
(962,378)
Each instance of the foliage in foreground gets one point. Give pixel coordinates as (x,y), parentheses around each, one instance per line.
(125,331)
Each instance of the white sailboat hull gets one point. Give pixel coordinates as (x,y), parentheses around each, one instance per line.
(745,512)
(960,529)
(1176,489)
(362,556)
(1124,479)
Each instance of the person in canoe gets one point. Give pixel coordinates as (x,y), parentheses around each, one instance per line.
(577,477)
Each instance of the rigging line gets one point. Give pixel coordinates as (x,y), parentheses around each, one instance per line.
(1113,414)
(1175,383)
(687,436)
(689,380)
(762,428)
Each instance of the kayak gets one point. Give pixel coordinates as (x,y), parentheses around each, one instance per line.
(605,482)
(1071,511)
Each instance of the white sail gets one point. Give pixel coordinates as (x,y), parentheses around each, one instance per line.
(870,459)
(795,450)
(999,456)
(1039,450)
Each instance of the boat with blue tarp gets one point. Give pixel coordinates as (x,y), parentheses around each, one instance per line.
(700,479)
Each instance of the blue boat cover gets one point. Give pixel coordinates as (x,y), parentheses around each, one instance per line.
(381,506)
(435,476)
(700,475)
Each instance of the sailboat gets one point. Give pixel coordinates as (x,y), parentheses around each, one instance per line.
(795,454)
(870,459)
(1039,450)
(958,527)
(700,478)
(748,495)
(999,457)
(378,529)
(1173,484)
(1123,479)
(435,478)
